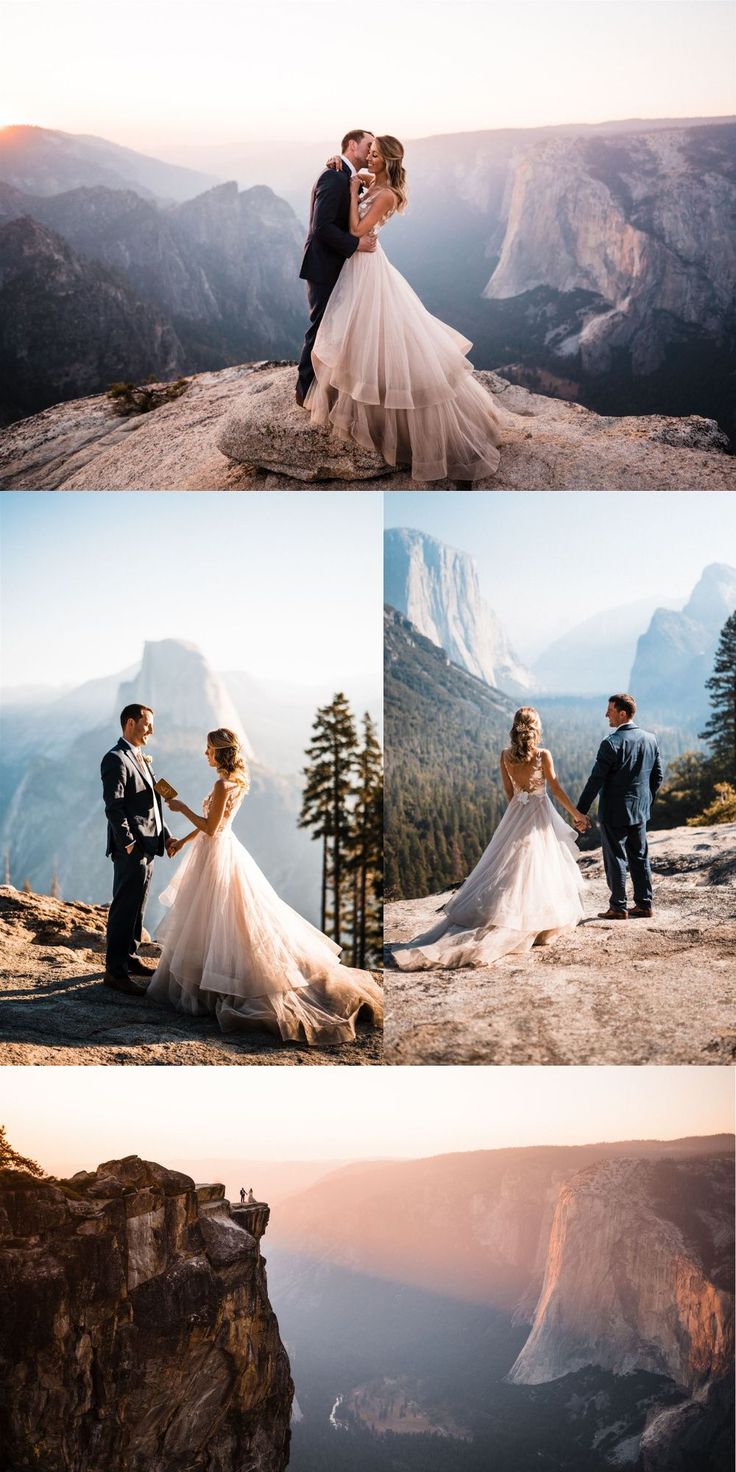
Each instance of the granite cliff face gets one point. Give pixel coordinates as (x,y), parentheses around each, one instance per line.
(674,657)
(637,223)
(436,587)
(638,1275)
(137,1333)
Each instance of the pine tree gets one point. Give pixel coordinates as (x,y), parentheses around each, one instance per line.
(11,1160)
(720,732)
(326,805)
(366,856)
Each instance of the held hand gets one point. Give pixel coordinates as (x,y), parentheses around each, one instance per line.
(335,162)
(581,821)
(173,846)
(367,242)
(176,804)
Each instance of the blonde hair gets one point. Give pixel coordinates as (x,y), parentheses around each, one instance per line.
(392,153)
(525,734)
(230,759)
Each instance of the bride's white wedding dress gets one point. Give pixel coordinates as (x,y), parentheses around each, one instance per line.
(524,891)
(230,946)
(395,379)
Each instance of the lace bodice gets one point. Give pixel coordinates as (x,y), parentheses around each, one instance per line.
(364,204)
(235,795)
(535,782)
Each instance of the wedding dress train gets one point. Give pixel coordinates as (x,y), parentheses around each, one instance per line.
(395,379)
(524,891)
(231,947)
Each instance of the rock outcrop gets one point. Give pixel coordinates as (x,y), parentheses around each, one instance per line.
(137,1333)
(659,991)
(548,445)
(57,1011)
(635,1279)
(436,587)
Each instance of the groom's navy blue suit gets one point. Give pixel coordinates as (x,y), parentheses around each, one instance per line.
(329,244)
(627,774)
(134,816)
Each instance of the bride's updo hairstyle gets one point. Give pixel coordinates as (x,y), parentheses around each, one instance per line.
(230,760)
(392,153)
(525,733)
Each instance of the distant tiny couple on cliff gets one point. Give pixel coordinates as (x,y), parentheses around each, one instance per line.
(526,889)
(230,946)
(376,366)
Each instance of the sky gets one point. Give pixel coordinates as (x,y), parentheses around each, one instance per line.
(284,586)
(150,72)
(73,1118)
(547,562)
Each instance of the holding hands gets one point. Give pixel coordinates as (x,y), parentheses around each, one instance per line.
(581,821)
(173,846)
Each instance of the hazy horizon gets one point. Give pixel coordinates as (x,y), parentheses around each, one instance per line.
(212,72)
(353,1115)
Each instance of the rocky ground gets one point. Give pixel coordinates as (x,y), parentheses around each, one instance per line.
(55,1009)
(548,445)
(660,991)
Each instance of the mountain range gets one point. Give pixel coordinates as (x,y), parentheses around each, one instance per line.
(591,263)
(503,1290)
(50,800)
(674,657)
(665,655)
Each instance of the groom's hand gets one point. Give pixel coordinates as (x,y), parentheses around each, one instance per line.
(172,847)
(367,242)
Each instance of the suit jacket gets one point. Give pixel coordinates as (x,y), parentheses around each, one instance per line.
(130,805)
(329,242)
(627,774)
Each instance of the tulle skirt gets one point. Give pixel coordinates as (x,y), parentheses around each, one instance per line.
(524,891)
(231,947)
(395,379)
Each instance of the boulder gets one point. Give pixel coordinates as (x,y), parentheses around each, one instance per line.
(266,429)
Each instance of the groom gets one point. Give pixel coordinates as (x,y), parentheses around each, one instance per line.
(627,774)
(329,242)
(136,834)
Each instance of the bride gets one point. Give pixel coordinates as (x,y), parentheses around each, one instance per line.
(388,374)
(232,947)
(525,889)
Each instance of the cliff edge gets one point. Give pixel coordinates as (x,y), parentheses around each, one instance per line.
(137,1332)
(239,429)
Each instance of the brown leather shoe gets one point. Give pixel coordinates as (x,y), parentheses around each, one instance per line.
(124,984)
(138,967)
(613,915)
(641,912)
